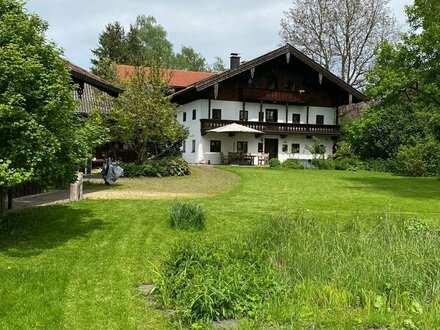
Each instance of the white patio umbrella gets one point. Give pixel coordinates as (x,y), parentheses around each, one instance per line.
(235,128)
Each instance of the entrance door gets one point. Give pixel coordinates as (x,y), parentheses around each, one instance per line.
(271,147)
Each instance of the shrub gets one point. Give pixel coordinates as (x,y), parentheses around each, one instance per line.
(187,216)
(274,162)
(379,165)
(293,164)
(343,150)
(207,281)
(420,159)
(168,166)
(324,164)
(348,164)
(316,149)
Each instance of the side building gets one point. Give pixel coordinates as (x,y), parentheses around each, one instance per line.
(283,94)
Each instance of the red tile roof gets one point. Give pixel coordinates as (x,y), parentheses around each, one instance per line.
(177,78)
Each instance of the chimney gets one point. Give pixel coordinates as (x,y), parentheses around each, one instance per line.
(235,61)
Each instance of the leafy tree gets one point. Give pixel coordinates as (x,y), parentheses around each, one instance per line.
(404,88)
(188,59)
(156,48)
(383,129)
(144,118)
(218,65)
(145,44)
(341,35)
(41,137)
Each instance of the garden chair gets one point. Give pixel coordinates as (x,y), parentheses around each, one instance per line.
(263,159)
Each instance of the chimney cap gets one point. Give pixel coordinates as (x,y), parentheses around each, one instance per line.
(235,54)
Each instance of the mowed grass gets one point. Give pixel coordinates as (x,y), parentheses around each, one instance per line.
(77,265)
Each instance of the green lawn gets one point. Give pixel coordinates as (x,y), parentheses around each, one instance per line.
(76,266)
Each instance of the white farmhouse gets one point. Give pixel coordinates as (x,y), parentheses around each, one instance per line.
(283,94)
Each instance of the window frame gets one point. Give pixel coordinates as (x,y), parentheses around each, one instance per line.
(320,116)
(271,115)
(217,112)
(243,115)
(194,114)
(193,146)
(217,144)
(298,115)
(295,150)
(242,144)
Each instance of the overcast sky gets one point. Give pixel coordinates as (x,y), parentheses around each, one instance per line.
(211,27)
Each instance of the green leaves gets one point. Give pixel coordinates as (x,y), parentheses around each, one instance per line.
(144,118)
(41,137)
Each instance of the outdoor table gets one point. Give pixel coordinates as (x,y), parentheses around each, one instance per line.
(241,159)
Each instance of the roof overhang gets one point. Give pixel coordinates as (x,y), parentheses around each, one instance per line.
(81,75)
(287,49)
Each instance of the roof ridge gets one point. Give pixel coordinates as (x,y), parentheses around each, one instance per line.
(210,81)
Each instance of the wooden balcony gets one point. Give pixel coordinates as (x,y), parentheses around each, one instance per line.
(274,128)
(270,95)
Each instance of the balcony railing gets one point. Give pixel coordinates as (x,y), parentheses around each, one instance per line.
(259,94)
(274,128)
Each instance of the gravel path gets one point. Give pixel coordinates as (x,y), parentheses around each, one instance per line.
(204,181)
(55,197)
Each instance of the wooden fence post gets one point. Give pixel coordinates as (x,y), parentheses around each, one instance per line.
(76,188)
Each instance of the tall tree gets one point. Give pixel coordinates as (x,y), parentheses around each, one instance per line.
(155,45)
(341,35)
(189,59)
(218,65)
(112,48)
(41,137)
(135,54)
(404,87)
(144,117)
(145,44)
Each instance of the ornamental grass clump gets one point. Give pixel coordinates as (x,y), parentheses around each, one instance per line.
(187,216)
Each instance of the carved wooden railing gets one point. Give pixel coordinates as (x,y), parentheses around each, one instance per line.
(260,94)
(275,128)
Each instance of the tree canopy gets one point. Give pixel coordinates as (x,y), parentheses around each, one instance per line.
(404,88)
(341,35)
(146,44)
(41,137)
(144,118)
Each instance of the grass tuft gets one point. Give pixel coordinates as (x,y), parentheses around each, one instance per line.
(187,216)
(206,281)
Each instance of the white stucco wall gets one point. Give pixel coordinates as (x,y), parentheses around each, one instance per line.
(230,111)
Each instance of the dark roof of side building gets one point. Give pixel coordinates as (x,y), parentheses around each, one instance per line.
(80,75)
